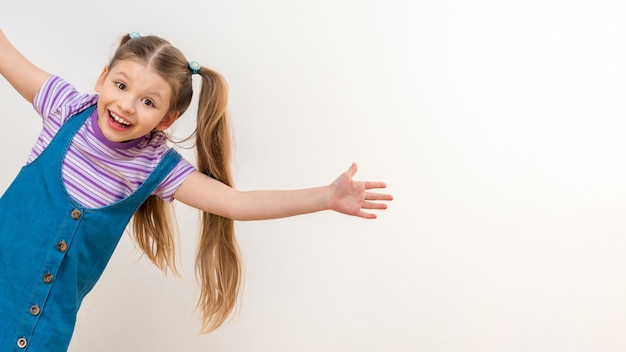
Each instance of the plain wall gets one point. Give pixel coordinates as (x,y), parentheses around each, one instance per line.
(498,126)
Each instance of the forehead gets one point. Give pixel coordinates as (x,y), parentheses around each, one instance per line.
(141,76)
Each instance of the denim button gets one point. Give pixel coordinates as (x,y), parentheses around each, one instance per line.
(62,246)
(76,214)
(22,342)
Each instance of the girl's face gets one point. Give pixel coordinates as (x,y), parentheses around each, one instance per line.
(134,100)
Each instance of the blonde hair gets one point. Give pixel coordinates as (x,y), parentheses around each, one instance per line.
(218,267)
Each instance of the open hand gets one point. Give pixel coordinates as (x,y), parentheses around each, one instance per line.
(352,197)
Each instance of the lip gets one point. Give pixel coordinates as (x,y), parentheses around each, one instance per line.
(114,124)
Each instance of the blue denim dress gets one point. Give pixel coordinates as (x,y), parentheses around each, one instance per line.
(53,250)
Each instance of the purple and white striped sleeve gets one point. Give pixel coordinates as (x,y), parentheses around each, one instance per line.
(177,176)
(57,99)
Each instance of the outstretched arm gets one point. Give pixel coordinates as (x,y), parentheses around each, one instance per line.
(25,77)
(344,195)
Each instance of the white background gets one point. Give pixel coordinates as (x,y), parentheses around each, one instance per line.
(498,126)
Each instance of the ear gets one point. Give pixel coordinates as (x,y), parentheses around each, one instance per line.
(100,81)
(167,121)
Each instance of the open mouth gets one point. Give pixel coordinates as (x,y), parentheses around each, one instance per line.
(117,122)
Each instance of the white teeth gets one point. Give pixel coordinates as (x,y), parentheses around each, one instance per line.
(119,119)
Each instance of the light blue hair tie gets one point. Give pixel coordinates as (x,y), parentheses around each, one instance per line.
(194,66)
(134,35)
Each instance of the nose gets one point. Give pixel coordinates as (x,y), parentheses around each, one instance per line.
(126,103)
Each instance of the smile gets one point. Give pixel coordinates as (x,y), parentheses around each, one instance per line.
(118,121)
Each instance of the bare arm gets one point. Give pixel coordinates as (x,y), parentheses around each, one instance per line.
(24,76)
(344,195)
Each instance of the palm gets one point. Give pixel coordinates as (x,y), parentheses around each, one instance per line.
(351,197)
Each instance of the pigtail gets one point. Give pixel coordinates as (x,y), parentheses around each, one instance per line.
(125,39)
(153,223)
(153,232)
(218,266)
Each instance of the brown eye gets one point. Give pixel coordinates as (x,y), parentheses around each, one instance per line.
(148,102)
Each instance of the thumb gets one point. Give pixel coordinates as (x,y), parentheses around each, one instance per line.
(352,170)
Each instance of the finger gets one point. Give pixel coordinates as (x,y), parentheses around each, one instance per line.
(373,205)
(352,170)
(374,184)
(378,196)
(365,215)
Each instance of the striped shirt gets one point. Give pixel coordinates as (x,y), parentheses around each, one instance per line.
(97,172)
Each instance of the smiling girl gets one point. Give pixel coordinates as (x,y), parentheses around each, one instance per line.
(102,159)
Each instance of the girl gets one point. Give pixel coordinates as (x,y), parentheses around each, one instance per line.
(102,159)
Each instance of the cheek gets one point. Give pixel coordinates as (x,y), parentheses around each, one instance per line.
(152,115)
